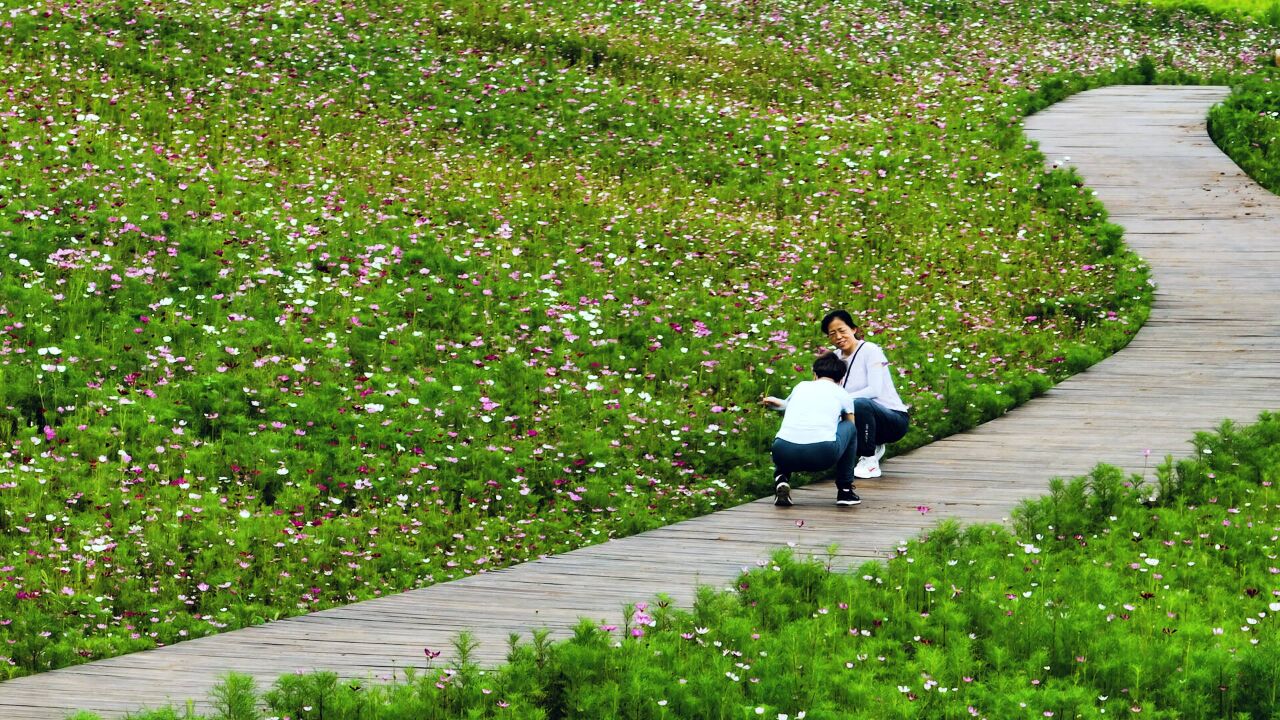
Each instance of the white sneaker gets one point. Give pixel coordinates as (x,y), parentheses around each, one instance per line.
(869,466)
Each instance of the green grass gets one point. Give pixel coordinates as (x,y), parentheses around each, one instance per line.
(1247,127)
(307,304)
(1154,594)
(1267,11)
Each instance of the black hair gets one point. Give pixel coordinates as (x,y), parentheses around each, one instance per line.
(829,365)
(839,315)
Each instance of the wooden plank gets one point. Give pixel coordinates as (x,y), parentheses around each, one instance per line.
(1210,350)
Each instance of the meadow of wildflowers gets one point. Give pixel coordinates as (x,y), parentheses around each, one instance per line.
(1152,597)
(307,303)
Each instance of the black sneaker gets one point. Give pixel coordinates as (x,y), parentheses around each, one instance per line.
(782,492)
(845,498)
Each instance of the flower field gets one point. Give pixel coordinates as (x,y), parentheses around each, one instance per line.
(1152,597)
(307,303)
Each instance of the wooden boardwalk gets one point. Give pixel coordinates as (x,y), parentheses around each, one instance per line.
(1211,350)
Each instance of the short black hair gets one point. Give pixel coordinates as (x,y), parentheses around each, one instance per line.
(829,365)
(838,315)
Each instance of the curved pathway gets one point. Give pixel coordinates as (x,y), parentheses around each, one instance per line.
(1210,350)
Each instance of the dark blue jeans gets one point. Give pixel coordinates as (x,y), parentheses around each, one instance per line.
(877,425)
(789,457)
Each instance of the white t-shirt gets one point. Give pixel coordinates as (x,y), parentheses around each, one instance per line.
(813,409)
(869,377)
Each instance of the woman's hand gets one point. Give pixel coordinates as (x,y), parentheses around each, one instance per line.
(771,401)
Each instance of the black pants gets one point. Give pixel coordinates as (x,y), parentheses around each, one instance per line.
(789,457)
(876,425)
